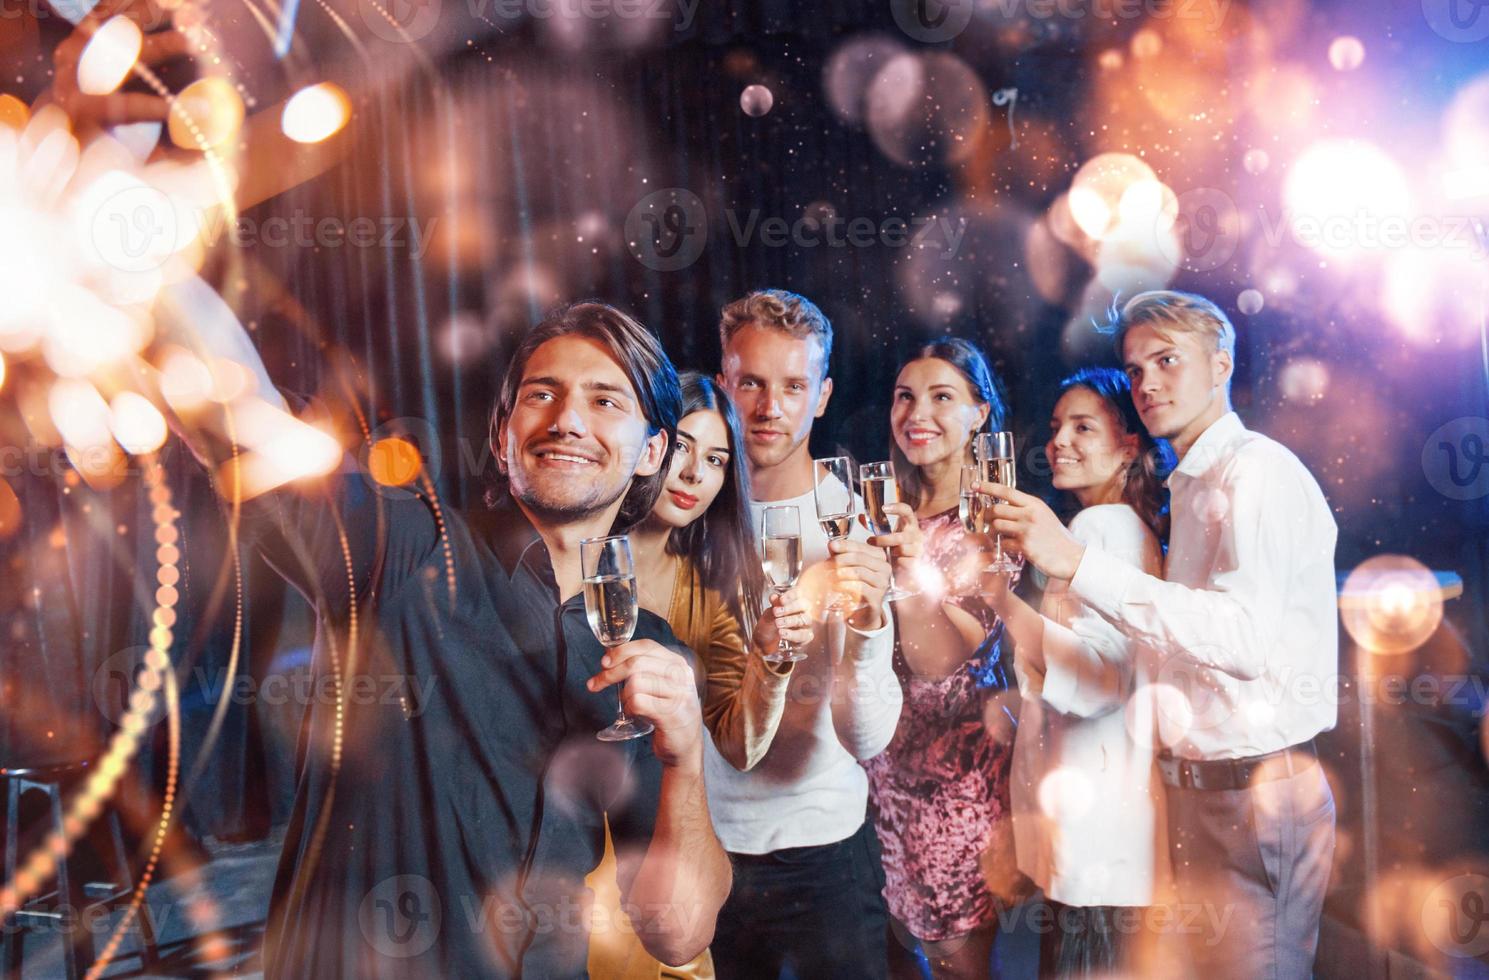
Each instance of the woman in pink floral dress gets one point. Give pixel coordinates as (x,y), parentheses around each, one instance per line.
(940,791)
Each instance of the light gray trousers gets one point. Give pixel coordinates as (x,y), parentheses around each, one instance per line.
(1255,863)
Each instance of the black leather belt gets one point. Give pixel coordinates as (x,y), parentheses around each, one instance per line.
(1220,774)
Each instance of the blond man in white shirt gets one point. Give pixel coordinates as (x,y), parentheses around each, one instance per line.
(1243,629)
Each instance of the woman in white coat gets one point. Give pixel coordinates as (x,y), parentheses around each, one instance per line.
(1087,799)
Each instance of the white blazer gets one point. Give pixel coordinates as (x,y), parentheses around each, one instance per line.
(1087,799)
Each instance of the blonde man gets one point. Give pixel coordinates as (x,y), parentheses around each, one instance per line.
(1243,617)
(808,877)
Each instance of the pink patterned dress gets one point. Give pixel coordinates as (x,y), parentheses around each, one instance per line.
(940,791)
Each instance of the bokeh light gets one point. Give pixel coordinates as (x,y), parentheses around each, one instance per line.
(927,109)
(316,113)
(13,112)
(208,111)
(109,56)
(10,510)
(850,70)
(1066,793)
(756,100)
(1346,53)
(1342,195)
(1304,379)
(137,425)
(394,462)
(1391,604)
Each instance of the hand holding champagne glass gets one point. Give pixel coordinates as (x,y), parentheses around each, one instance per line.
(879,491)
(780,539)
(996,465)
(610,603)
(833,495)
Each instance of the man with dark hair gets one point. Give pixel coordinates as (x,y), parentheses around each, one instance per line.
(807,869)
(453,840)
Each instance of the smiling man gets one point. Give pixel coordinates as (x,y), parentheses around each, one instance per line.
(454,840)
(1244,614)
(807,868)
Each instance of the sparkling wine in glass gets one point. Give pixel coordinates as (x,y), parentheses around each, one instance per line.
(780,541)
(879,491)
(610,603)
(833,495)
(996,459)
(969,503)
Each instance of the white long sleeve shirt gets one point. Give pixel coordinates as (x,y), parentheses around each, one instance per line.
(1243,624)
(1087,799)
(809,789)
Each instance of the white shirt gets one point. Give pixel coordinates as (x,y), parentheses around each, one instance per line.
(1243,624)
(809,789)
(1088,817)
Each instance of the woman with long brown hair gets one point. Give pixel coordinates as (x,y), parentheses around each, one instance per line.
(1087,798)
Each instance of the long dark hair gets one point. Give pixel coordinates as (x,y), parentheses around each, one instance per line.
(721,544)
(646,366)
(971,364)
(1143,488)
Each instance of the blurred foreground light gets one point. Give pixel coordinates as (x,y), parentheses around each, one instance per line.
(137,425)
(79,413)
(109,56)
(1391,604)
(316,113)
(208,113)
(1466,126)
(86,335)
(185,381)
(284,448)
(1345,196)
(13,112)
(1066,793)
(1346,53)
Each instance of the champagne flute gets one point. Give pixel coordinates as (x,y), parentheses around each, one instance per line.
(996,459)
(879,491)
(610,603)
(969,501)
(833,495)
(780,539)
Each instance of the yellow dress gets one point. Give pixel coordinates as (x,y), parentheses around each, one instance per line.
(743,698)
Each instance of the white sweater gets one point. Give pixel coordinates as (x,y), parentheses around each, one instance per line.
(1087,801)
(809,789)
